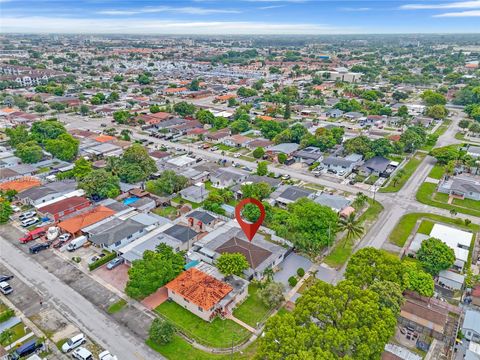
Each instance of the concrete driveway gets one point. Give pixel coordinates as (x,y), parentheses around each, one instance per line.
(117,277)
(289,267)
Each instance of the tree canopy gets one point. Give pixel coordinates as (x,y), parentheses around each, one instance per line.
(232,264)
(168,183)
(435,256)
(100,183)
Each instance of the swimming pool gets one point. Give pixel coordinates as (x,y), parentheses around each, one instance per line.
(130,200)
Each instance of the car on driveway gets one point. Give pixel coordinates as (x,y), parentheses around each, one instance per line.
(105,355)
(29,222)
(64,237)
(74,342)
(34,249)
(95,258)
(82,354)
(114,263)
(5,288)
(27,215)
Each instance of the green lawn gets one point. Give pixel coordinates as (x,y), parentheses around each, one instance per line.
(218,333)
(437,172)
(18,332)
(179,348)
(168,212)
(252,310)
(404,227)
(343,249)
(468,203)
(116,307)
(440,131)
(371,179)
(426,194)
(409,169)
(179,200)
(224,147)
(425,227)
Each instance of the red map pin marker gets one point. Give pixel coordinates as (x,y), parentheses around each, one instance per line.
(250,229)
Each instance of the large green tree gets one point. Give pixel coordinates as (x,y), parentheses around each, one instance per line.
(232,264)
(5,211)
(17,135)
(168,183)
(64,147)
(47,130)
(134,166)
(100,183)
(29,152)
(161,331)
(435,256)
(330,322)
(155,269)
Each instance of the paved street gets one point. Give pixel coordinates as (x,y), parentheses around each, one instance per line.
(72,303)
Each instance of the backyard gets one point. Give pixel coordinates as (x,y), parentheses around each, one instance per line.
(252,310)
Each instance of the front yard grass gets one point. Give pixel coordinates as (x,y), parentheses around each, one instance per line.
(179,200)
(427,194)
(116,307)
(343,249)
(252,310)
(18,331)
(404,227)
(169,212)
(409,168)
(179,348)
(218,333)
(437,172)
(425,227)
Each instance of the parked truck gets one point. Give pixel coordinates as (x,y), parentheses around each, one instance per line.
(77,243)
(32,235)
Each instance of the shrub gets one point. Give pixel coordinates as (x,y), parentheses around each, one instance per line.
(101,261)
(7,314)
(161,331)
(292,281)
(300,272)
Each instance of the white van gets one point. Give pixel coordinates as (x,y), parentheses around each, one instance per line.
(77,243)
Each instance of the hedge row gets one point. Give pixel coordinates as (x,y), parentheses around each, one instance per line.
(7,314)
(108,257)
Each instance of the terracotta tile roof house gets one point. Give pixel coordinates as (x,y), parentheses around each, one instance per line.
(64,207)
(237,140)
(225,97)
(76,223)
(265,118)
(217,135)
(21,184)
(256,143)
(104,138)
(199,288)
(175,90)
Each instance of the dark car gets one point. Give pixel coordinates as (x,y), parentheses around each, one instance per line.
(26,349)
(59,244)
(38,247)
(5,277)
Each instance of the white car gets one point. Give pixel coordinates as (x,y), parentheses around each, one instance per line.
(237,155)
(15,208)
(5,288)
(28,222)
(64,237)
(105,355)
(27,215)
(74,342)
(82,354)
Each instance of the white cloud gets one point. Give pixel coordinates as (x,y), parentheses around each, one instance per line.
(40,24)
(470,13)
(475,4)
(159,9)
(270,7)
(360,9)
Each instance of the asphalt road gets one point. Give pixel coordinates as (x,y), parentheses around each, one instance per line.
(76,308)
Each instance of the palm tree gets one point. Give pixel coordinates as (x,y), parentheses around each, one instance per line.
(268,274)
(360,201)
(352,227)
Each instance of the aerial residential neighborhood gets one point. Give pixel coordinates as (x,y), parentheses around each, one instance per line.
(141,142)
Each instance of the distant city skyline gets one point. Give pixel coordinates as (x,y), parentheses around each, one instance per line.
(213,17)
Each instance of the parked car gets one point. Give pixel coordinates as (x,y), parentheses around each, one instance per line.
(105,355)
(103,125)
(74,342)
(35,249)
(28,348)
(332,171)
(59,244)
(82,354)
(5,277)
(237,155)
(15,208)
(286,177)
(64,237)
(5,288)
(29,222)
(114,263)
(27,215)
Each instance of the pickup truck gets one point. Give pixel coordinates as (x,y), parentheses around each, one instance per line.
(32,235)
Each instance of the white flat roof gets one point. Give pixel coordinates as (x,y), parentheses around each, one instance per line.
(451,236)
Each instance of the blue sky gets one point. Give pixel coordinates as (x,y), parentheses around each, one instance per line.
(239,16)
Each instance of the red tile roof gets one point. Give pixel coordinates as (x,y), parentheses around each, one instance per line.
(104,138)
(199,288)
(20,185)
(76,223)
(64,205)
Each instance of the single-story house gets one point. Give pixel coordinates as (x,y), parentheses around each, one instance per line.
(308,155)
(376,165)
(451,280)
(195,193)
(339,164)
(285,148)
(74,224)
(237,140)
(206,293)
(183,233)
(202,220)
(226,177)
(47,192)
(464,187)
(336,202)
(64,207)
(471,325)
(288,194)
(473,151)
